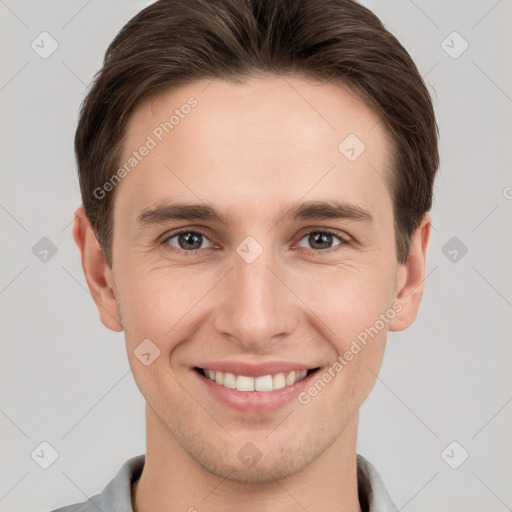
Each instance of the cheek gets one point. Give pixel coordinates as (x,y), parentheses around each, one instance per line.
(156,307)
(355,310)
(349,300)
(155,302)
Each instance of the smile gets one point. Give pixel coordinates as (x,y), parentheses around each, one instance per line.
(262,383)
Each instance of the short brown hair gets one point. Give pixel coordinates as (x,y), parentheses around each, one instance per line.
(174,42)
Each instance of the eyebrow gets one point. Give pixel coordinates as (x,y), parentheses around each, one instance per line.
(322,210)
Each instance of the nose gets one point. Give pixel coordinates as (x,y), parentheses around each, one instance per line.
(255,306)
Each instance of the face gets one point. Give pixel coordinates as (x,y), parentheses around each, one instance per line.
(285,261)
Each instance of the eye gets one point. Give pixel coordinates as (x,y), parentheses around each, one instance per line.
(322,240)
(191,241)
(187,240)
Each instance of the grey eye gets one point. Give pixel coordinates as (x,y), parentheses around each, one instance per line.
(187,240)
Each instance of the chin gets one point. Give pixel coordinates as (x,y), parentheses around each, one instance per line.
(278,467)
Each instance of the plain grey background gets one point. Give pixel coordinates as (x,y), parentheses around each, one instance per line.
(65,378)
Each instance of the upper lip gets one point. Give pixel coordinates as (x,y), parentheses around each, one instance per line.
(255,370)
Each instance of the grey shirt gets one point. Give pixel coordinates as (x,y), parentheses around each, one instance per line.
(116,496)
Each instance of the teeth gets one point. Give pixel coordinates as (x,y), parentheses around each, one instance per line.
(244,383)
(229,380)
(290,379)
(278,381)
(263,383)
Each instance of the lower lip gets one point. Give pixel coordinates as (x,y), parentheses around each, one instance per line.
(255,401)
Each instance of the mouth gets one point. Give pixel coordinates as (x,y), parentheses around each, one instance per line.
(253,387)
(256,384)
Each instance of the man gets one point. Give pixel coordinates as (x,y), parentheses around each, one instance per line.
(256,178)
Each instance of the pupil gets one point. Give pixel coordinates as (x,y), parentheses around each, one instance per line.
(190,240)
(323,239)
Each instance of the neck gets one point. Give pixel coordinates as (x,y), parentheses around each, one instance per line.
(171,480)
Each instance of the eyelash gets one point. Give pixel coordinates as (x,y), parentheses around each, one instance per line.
(345,240)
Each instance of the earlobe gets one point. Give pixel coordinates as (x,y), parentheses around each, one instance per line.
(97,274)
(411,277)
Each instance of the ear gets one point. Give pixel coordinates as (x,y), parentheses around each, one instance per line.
(411,277)
(97,274)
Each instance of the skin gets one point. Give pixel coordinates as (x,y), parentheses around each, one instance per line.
(271,141)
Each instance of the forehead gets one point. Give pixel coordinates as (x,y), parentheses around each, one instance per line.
(268,139)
